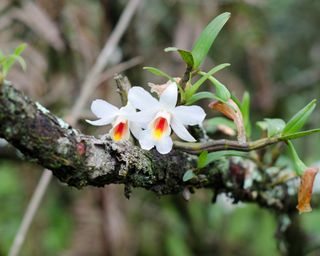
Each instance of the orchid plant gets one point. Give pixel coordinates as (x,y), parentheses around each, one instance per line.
(151,119)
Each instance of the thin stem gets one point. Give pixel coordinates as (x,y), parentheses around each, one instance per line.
(218,145)
(33,206)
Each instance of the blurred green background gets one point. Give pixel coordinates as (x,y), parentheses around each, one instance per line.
(274,51)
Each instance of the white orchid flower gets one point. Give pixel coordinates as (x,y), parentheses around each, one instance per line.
(119,118)
(159,116)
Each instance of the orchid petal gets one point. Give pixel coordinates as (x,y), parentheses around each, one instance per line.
(103,109)
(145,140)
(142,117)
(135,129)
(181,131)
(141,99)
(189,115)
(164,146)
(102,121)
(169,96)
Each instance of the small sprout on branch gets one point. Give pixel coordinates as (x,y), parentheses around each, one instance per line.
(6,62)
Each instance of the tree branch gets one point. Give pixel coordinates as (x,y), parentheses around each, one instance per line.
(80,160)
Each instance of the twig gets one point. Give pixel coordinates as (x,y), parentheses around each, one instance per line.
(218,145)
(30,212)
(93,77)
(91,81)
(124,86)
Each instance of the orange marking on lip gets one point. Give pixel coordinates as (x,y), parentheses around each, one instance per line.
(119,131)
(160,126)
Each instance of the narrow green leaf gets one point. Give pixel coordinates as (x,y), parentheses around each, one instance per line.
(214,156)
(202,159)
(245,110)
(158,72)
(207,37)
(299,119)
(18,51)
(9,61)
(186,56)
(299,166)
(202,95)
(188,175)
(21,61)
(211,124)
(221,91)
(195,87)
(297,135)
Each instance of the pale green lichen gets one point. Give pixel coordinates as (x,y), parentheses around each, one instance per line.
(42,108)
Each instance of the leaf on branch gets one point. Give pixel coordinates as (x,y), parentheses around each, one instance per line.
(232,111)
(245,109)
(299,119)
(186,56)
(273,126)
(299,166)
(305,189)
(214,156)
(207,37)
(188,175)
(158,72)
(205,76)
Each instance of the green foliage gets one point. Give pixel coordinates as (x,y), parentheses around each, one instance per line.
(299,119)
(195,87)
(214,156)
(202,95)
(6,62)
(207,37)
(158,72)
(297,135)
(273,126)
(221,91)
(188,175)
(202,159)
(299,166)
(186,56)
(245,110)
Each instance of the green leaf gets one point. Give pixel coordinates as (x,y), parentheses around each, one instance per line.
(297,135)
(221,91)
(207,37)
(185,55)
(19,50)
(188,175)
(202,159)
(299,119)
(214,156)
(195,87)
(158,72)
(299,166)
(202,95)
(211,124)
(273,126)
(245,110)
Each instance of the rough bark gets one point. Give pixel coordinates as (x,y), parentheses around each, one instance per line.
(80,160)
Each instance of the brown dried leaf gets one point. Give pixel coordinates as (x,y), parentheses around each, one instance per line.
(159,88)
(232,111)
(305,190)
